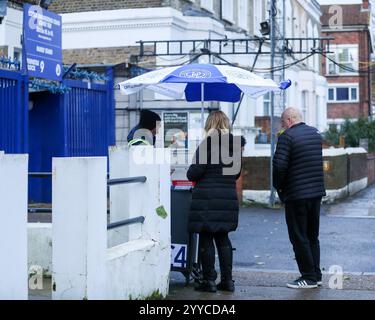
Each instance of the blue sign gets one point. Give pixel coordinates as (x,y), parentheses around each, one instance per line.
(42,43)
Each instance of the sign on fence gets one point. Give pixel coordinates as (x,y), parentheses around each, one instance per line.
(42,43)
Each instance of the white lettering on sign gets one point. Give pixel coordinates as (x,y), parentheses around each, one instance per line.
(179,255)
(32,64)
(44,50)
(42,66)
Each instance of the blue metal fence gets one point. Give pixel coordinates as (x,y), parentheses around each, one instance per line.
(13,112)
(88,121)
(80,122)
(75,124)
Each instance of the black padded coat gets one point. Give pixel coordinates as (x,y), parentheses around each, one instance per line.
(214,206)
(298,164)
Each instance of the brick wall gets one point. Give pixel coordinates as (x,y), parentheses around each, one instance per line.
(342,170)
(112,55)
(357,166)
(343,110)
(352,14)
(67,6)
(337,175)
(371,169)
(255,173)
(351,110)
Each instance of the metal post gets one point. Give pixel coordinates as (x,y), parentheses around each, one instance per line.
(202,107)
(283,54)
(273,45)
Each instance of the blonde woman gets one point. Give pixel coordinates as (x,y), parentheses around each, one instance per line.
(214,207)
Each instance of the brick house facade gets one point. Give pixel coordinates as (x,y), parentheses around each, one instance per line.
(349,95)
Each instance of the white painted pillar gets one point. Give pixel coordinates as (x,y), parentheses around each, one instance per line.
(13,227)
(79,232)
(119,194)
(146,197)
(156,192)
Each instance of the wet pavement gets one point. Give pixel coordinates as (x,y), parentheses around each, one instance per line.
(259,285)
(264,259)
(361,205)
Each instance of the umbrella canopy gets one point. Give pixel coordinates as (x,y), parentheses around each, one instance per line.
(221,83)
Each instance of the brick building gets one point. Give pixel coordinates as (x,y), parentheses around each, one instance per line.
(350,80)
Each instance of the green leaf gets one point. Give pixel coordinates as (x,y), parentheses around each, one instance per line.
(161,212)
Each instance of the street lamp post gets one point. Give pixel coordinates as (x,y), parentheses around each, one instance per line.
(272,136)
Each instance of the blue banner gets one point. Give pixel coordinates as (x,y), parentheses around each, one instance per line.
(42,43)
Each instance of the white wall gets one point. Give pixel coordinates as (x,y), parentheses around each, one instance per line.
(39,238)
(116,28)
(140,268)
(79,235)
(13,227)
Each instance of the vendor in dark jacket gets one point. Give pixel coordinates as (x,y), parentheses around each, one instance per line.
(214,208)
(299,180)
(144,133)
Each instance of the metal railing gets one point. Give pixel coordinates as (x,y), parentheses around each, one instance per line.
(110,182)
(296,45)
(40,174)
(113,182)
(126,222)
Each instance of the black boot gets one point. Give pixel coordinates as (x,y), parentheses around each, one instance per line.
(226,285)
(226,262)
(206,286)
(209,275)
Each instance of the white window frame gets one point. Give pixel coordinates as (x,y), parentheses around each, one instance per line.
(304,104)
(267,100)
(208,5)
(350,86)
(265,9)
(227,9)
(334,48)
(243,12)
(258,16)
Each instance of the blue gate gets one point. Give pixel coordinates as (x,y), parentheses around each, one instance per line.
(78,123)
(13,112)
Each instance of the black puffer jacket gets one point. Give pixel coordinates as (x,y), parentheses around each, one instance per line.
(214,206)
(298,164)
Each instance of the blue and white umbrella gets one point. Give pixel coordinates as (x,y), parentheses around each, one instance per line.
(203,82)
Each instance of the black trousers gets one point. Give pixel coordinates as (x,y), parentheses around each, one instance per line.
(207,255)
(302,218)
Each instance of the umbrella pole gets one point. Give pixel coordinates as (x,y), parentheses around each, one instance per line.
(202,107)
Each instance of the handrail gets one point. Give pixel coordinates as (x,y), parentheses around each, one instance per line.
(126,222)
(40,174)
(39,210)
(112,182)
